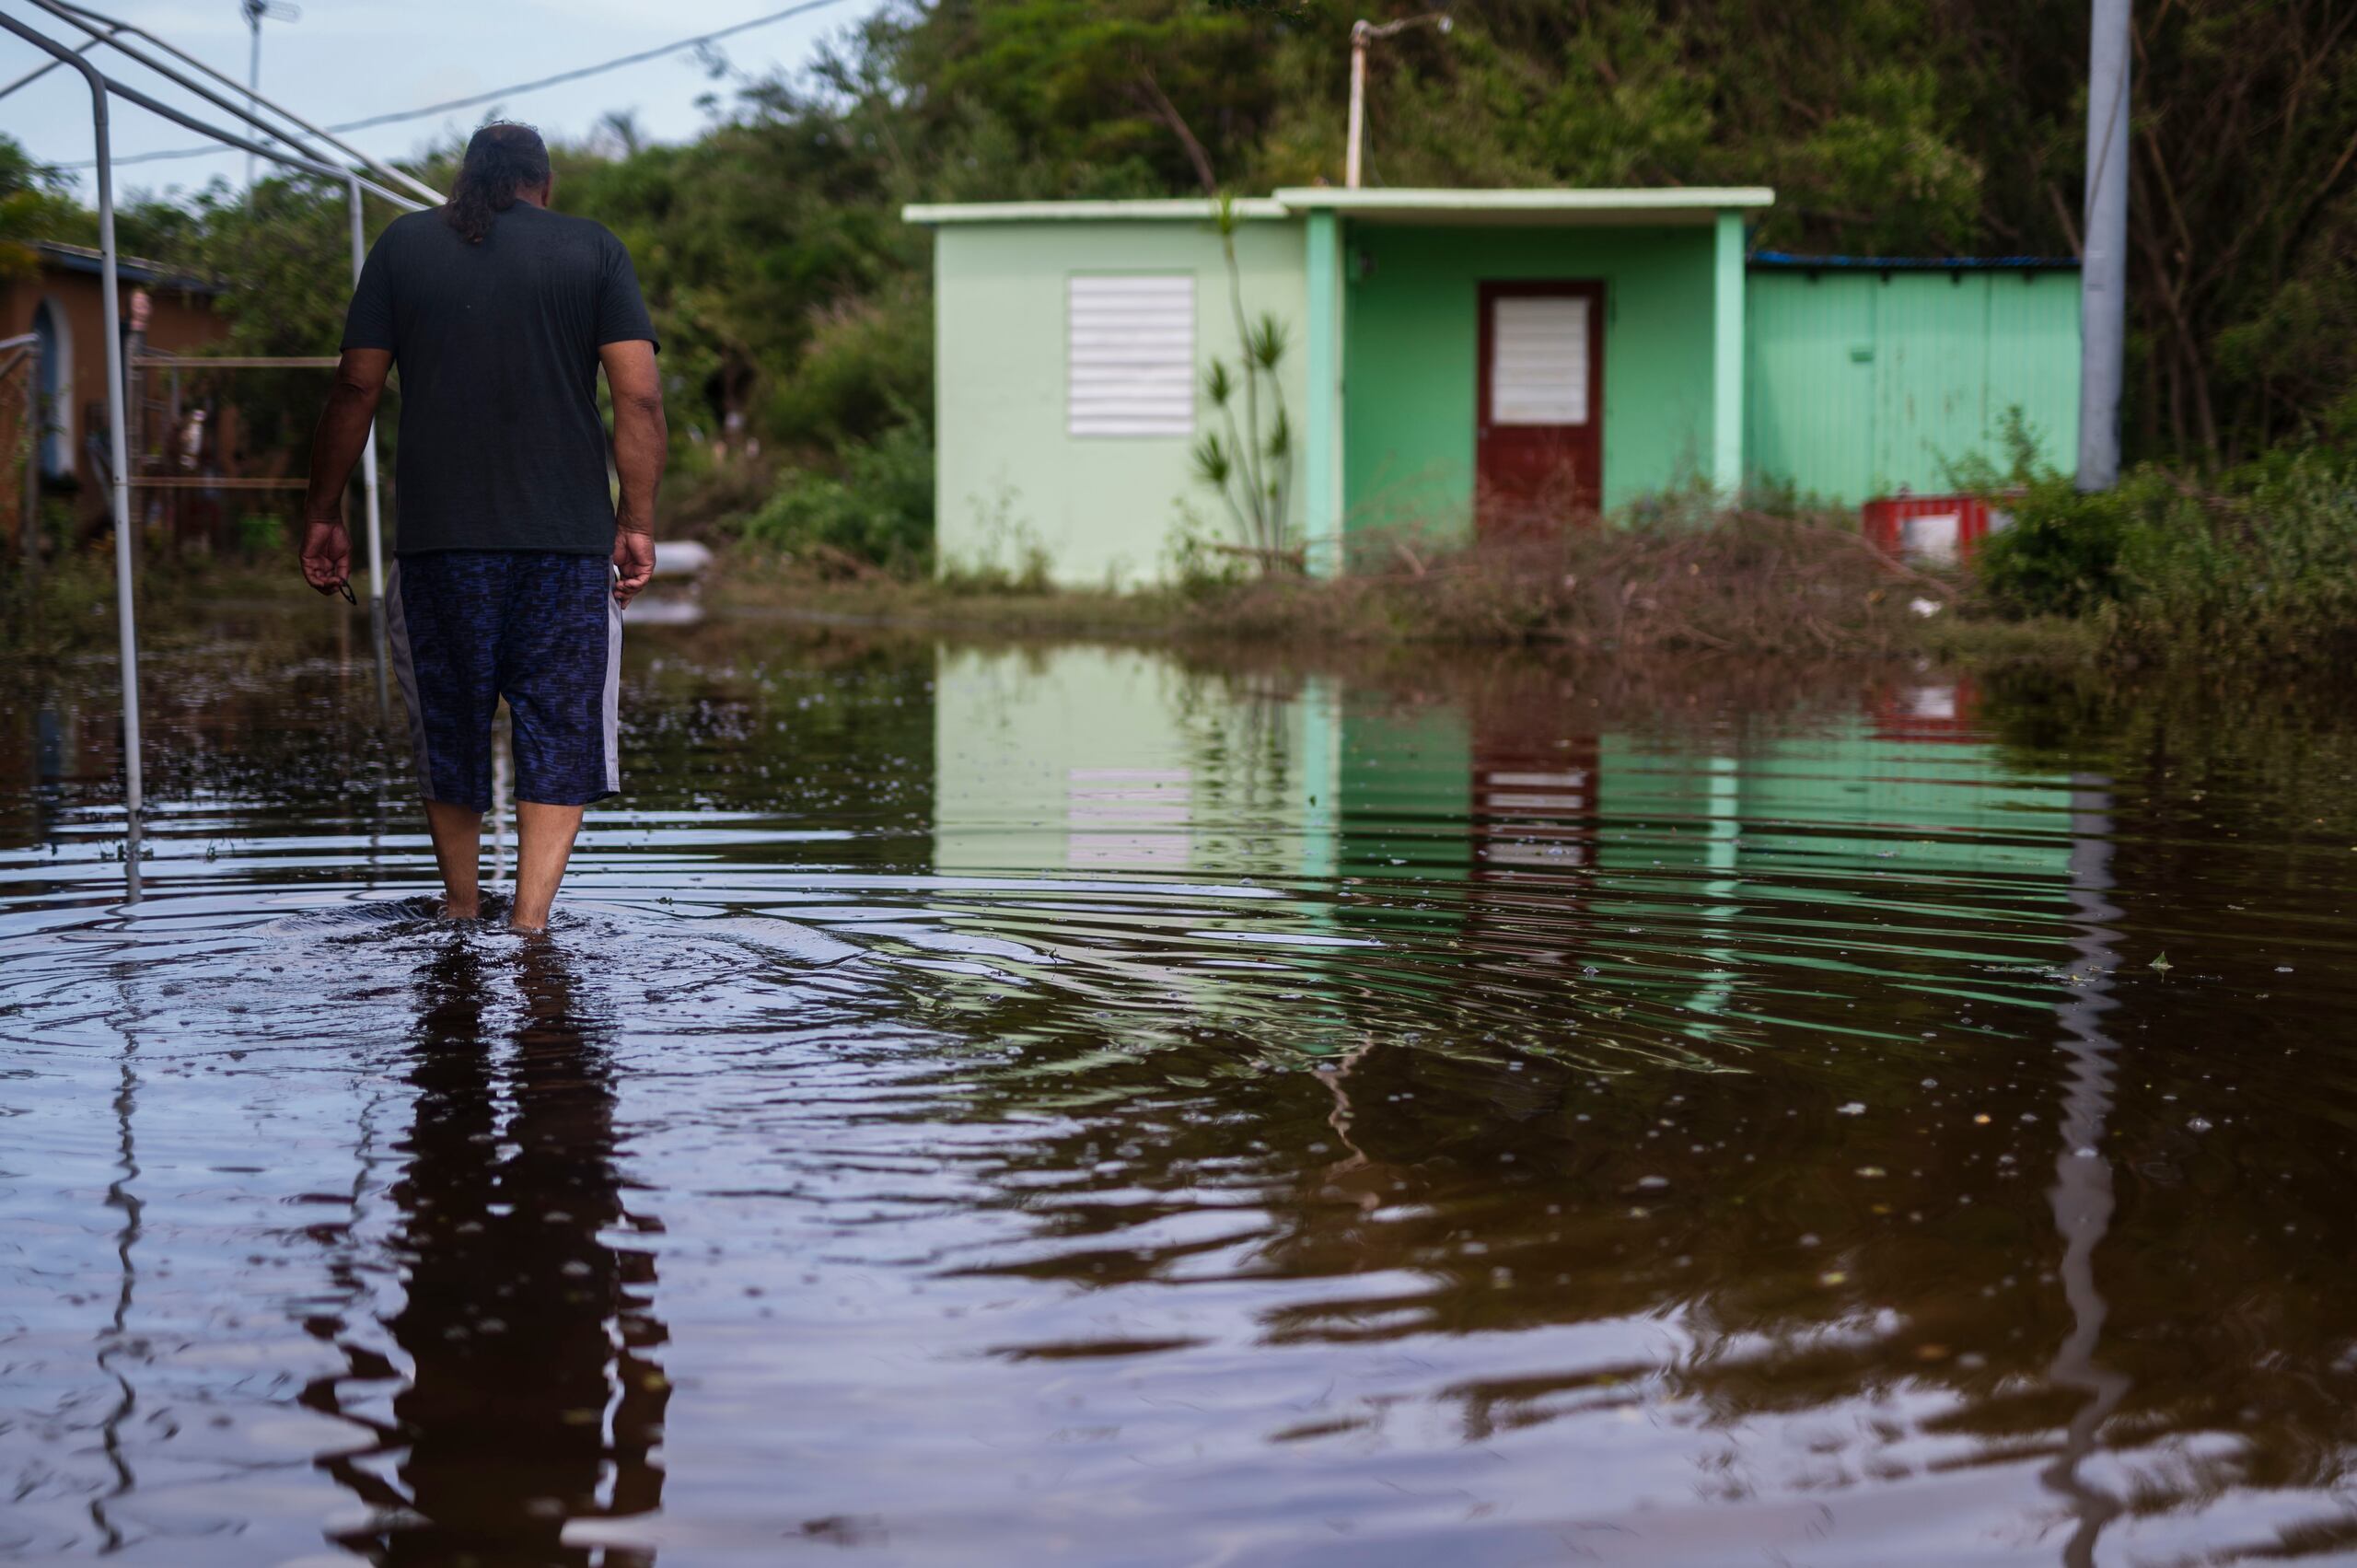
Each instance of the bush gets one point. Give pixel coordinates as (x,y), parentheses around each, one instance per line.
(878,513)
(2260,565)
(869,361)
(2263,569)
(2062,554)
(710,489)
(261,534)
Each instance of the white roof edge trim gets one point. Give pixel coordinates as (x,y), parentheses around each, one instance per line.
(1180,211)
(1302,198)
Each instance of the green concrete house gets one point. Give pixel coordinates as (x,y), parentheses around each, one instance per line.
(1454,356)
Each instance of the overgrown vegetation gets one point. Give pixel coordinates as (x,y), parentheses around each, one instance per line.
(1251,470)
(68,611)
(1689,577)
(2256,564)
(877,515)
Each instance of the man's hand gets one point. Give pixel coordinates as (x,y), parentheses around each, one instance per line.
(336,446)
(640,439)
(633,564)
(327,553)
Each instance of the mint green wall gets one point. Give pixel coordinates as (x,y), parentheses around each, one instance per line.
(1007,477)
(1861,382)
(1412,339)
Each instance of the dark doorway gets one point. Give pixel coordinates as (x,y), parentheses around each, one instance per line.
(1539,439)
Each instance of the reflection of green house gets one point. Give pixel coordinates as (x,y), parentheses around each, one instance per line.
(1089,760)
(1852,814)
(1092,760)
(1453,353)
(1087,772)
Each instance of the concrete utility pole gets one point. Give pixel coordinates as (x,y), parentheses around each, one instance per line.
(255,13)
(1363,34)
(2103,263)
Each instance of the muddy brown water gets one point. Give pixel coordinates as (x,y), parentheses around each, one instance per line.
(1062,1105)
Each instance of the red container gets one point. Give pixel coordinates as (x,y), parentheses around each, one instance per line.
(1927,530)
(1943,709)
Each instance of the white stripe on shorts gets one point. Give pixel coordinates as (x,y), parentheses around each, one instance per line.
(614,697)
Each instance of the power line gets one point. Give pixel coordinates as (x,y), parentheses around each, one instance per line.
(642,55)
(499,93)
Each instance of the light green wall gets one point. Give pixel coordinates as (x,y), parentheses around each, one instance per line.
(1006,474)
(1412,341)
(1863,382)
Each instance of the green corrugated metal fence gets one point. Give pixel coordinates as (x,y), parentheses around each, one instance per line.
(1863,382)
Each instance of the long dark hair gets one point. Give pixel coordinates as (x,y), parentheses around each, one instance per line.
(503,158)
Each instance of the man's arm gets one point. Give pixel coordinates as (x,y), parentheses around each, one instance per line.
(336,446)
(641,442)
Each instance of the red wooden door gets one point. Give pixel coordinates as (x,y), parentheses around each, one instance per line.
(1539,440)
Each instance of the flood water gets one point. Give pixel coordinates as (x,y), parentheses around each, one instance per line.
(1069,1105)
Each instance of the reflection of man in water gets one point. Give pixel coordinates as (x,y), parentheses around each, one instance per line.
(530,1401)
(513,564)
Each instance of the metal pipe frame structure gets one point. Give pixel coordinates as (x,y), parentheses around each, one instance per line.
(102,87)
(118,493)
(107,29)
(355,185)
(228,138)
(38,72)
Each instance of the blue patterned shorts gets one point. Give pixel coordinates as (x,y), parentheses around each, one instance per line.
(469,627)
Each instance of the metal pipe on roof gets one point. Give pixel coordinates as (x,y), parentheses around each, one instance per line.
(117,487)
(387,171)
(38,72)
(230,138)
(66,14)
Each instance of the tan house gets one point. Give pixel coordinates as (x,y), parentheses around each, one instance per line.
(60,304)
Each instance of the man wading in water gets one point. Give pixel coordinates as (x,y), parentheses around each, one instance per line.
(512,565)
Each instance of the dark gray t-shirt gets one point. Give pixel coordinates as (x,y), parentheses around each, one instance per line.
(501,445)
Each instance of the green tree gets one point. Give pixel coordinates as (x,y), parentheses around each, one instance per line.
(34,204)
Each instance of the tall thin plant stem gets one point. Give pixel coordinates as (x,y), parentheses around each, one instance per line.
(1249,456)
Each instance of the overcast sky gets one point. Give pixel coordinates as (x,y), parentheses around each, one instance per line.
(346,60)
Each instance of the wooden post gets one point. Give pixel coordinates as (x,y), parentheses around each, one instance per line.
(36,432)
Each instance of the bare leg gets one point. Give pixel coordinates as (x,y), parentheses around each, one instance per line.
(457,850)
(543,843)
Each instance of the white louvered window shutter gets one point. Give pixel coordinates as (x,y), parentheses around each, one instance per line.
(1539,348)
(1130,354)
